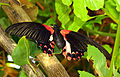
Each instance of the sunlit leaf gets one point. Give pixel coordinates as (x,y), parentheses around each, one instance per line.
(117,5)
(108,48)
(112,9)
(94,4)
(13,65)
(99,61)
(80,9)
(76,25)
(85,74)
(67,2)
(115,73)
(113,26)
(63,12)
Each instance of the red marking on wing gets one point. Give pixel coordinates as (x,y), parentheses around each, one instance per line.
(69,58)
(45,46)
(50,54)
(52,45)
(64,32)
(44,51)
(65,54)
(40,44)
(78,57)
(53,42)
(49,28)
(74,58)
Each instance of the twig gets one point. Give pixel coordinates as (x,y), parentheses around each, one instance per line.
(39,4)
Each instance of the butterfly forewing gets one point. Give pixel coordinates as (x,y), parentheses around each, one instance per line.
(37,32)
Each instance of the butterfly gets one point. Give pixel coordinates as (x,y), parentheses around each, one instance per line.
(73,44)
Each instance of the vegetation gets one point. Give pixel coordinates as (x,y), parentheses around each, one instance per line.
(100,20)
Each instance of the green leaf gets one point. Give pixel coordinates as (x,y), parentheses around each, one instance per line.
(67,2)
(90,25)
(51,20)
(113,26)
(117,5)
(63,12)
(115,73)
(112,9)
(108,48)
(76,25)
(57,50)
(85,74)
(45,13)
(1,72)
(99,61)
(5,22)
(80,9)
(34,50)
(2,13)
(23,74)
(94,4)
(98,20)
(21,53)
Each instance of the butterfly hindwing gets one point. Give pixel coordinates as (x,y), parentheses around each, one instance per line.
(76,45)
(74,48)
(39,33)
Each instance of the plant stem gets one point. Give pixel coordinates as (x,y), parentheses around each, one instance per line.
(117,40)
(115,51)
(32,68)
(98,32)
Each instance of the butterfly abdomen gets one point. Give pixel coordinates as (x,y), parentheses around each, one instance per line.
(58,38)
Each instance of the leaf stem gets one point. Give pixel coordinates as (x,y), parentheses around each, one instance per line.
(115,51)
(32,68)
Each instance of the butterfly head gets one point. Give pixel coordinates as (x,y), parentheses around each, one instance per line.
(55,27)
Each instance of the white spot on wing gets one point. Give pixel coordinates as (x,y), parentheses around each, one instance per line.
(51,38)
(68,47)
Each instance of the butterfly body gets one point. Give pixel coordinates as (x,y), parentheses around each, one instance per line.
(58,38)
(73,44)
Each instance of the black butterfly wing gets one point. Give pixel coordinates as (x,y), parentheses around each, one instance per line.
(76,45)
(39,33)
